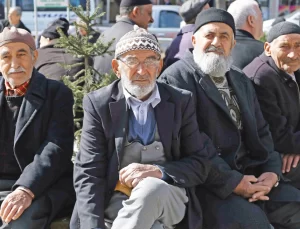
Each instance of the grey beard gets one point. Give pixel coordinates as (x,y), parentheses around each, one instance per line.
(136,90)
(211,63)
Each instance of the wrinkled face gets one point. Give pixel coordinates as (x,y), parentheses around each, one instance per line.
(17,62)
(258,24)
(212,48)
(216,34)
(144,16)
(14,18)
(138,71)
(285,51)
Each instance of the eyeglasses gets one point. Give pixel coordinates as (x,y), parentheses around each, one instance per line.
(133,62)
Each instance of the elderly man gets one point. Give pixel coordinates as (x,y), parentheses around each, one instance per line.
(141,151)
(228,112)
(132,12)
(50,57)
(183,41)
(36,138)
(276,78)
(14,19)
(249,23)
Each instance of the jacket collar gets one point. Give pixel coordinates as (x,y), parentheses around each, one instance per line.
(187,29)
(284,77)
(236,81)
(119,114)
(243,33)
(126,20)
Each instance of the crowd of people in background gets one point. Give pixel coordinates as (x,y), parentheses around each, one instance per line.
(205,135)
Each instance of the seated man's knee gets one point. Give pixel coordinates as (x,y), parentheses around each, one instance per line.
(151,189)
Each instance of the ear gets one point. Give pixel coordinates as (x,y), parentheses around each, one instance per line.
(35,56)
(136,11)
(193,40)
(161,64)
(267,47)
(251,20)
(115,67)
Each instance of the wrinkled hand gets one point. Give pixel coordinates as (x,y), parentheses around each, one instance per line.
(267,179)
(132,174)
(14,205)
(289,160)
(247,187)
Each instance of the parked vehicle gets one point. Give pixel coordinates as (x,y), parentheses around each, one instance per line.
(293,17)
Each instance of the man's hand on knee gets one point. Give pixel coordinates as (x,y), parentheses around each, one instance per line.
(132,174)
(14,205)
(247,187)
(289,160)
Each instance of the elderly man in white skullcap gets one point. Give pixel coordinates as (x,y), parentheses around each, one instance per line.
(138,159)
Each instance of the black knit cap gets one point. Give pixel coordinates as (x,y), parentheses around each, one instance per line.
(51,31)
(282,28)
(127,3)
(214,15)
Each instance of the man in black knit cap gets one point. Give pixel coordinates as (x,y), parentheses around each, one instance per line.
(132,12)
(229,113)
(36,138)
(50,57)
(276,78)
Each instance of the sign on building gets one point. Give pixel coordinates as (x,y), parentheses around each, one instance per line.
(52,3)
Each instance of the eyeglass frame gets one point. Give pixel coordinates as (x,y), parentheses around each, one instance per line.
(135,67)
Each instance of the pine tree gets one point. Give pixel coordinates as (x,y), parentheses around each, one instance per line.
(79,46)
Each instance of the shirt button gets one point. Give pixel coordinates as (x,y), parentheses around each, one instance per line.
(144,148)
(142,111)
(157,147)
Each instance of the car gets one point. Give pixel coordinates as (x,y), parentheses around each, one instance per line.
(292,17)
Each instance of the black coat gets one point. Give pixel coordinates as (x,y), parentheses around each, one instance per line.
(43,144)
(103,63)
(246,49)
(5,23)
(214,120)
(101,150)
(279,100)
(49,60)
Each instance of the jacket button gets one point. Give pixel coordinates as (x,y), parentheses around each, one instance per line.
(182,181)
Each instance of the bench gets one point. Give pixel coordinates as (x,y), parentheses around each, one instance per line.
(62,223)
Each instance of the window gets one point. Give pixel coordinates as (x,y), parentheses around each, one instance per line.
(169,19)
(27,5)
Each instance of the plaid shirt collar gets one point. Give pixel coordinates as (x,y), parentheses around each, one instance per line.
(18,91)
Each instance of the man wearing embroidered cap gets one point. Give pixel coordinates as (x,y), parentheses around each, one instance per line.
(36,138)
(138,159)
(132,12)
(276,78)
(229,113)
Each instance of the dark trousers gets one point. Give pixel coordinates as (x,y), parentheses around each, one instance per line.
(236,212)
(34,217)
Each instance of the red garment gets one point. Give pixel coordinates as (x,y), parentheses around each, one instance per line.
(18,91)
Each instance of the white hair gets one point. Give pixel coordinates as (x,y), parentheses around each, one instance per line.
(16,9)
(240,10)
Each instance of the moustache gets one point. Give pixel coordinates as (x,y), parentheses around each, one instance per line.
(214,49)
(13,70)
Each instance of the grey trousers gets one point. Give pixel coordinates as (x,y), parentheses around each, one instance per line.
(153,204)
(34,217)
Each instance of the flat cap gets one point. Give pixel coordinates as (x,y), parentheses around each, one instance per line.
(282,28)
(214,15)
(14,34)
(190,9)
(137,39)
(51,31)
(127,3)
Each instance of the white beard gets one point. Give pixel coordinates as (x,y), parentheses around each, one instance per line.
(137,90)
(211,63)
